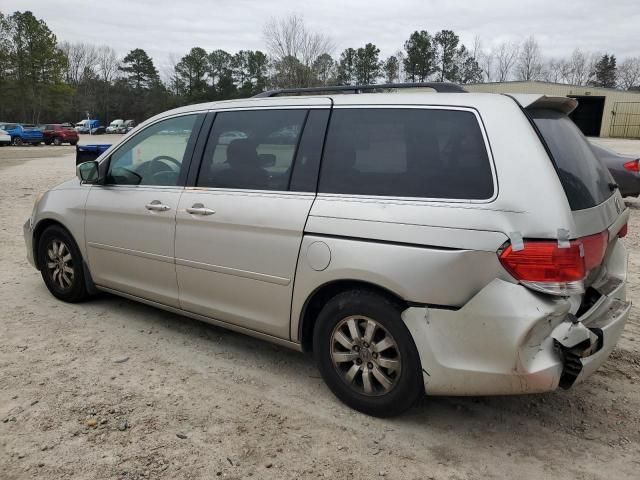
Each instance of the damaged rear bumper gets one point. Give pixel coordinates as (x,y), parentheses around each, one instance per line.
(508,339)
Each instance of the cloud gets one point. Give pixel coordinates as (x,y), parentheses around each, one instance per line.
(167,27)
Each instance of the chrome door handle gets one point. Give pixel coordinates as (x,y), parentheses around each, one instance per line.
(199,209)
(157,206)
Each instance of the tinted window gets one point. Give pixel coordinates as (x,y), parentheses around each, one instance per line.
(584,178)
(424,153)
(154,156)
(252,149)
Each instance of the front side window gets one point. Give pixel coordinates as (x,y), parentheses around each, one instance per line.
(252,149)
(426,153)
(154,156)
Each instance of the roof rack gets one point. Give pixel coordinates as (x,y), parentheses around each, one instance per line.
(440,87)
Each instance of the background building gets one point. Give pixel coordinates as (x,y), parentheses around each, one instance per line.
(601,112)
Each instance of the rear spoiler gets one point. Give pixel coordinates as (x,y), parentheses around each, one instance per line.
(562,104)
(86,153)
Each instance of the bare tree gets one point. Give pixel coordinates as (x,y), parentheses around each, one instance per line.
(486,62)
(506,55)
(107,63)
(82,61)
(578,69)
(529,65)
(629,73)
(553,70)
(289,41)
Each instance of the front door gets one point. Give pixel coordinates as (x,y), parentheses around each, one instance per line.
(240,228)
(130,220)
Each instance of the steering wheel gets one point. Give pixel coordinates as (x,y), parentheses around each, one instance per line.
(161,158)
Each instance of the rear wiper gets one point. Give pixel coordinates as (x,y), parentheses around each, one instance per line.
(613,187)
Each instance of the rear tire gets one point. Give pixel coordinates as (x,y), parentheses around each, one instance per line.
(61,265)
(73,144)
(366,354)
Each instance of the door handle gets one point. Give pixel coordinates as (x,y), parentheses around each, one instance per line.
(157,206)
(199,209)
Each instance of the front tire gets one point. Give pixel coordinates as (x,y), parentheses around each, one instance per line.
(17,141)
(61,265)
(57,141)
(366,354)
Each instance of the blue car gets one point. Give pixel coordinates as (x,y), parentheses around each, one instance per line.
(22,134)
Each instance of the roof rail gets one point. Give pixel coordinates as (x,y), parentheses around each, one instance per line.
(440,87)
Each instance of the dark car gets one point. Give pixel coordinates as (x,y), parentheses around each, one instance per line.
(58,134)
(625,169)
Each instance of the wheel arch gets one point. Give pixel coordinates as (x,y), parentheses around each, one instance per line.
(38,230)
(40,227)
(324,293)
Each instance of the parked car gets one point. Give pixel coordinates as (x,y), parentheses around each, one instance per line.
(58,134)
(21,134)
(113,126)
(392,242)
(126,127)
(90,126)
(5,138)
(625,169)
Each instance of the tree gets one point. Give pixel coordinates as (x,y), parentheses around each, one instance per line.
(34,61)
(250,71)
(420,60)
(467,69)
(191,74)
(367,64)
(140,71)
(605,72)
(529,64)
(447,50)
(324,69)
(289,38)
(347,67)
(82,61)
(506,55)
(629,73)
(391,69)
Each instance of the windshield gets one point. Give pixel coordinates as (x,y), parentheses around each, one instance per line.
(585,179)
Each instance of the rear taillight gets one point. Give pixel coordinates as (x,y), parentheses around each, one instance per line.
(632,166)
(544,266)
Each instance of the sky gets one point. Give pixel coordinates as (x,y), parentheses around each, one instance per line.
(167,29)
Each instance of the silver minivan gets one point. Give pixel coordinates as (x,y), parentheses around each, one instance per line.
(442,242)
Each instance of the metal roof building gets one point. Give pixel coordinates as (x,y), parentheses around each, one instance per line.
(601,112)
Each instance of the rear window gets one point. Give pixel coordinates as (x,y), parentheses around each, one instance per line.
(584,178)
(426,153)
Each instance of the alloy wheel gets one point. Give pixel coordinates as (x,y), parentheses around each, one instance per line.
(60,264)
(365,355)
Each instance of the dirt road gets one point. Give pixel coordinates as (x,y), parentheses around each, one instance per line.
(111,389)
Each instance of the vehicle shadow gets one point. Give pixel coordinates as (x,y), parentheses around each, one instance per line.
(589,411)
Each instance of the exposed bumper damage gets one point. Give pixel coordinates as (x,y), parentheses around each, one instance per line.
(508,339)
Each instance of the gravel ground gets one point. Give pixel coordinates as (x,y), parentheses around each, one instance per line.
(111,389)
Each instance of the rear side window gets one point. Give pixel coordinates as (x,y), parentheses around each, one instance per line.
(427,153)
(252,150)
(584,178)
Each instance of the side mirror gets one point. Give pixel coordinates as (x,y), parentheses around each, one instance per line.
(87,172)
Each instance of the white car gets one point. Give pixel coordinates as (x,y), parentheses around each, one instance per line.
(444,243)
(5,138)
(115,125)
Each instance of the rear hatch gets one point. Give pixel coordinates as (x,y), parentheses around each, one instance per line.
(598,210)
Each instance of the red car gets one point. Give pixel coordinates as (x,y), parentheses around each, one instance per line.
(59,134)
